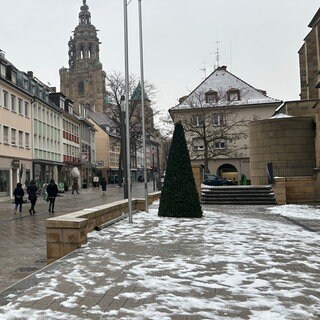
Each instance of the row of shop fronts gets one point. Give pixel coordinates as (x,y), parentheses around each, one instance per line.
(16,170)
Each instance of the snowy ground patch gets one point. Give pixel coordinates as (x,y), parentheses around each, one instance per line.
(218,267)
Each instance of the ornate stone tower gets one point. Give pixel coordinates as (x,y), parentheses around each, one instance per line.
(84,80)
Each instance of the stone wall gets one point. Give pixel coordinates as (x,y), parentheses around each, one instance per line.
(291,190)
(284,142)
(68,232)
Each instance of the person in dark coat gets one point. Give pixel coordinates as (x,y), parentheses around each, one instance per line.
(103,183)
(52,191)
(32,192)
(18,197)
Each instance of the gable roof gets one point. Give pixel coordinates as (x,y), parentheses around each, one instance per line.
(221,81)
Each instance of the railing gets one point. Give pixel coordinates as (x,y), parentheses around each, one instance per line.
(293,169)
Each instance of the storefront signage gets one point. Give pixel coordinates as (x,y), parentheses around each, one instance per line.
(100,164)
(15,163)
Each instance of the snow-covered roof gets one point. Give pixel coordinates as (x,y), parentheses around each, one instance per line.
(280,115)
(221,81)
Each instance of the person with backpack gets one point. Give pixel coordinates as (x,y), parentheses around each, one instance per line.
(18,197)
(52,191)
(32,192)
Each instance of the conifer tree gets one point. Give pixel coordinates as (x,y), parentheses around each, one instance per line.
(179,196)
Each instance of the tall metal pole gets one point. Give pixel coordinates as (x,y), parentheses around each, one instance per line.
(123,147)
(126,63)
(142,111)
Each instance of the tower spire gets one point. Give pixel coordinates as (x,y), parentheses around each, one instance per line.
(84,15)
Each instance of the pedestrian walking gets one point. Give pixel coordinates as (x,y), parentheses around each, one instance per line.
(103,184)
(18,197)
(95,182)
(75,185)
(32,196)
(52,191)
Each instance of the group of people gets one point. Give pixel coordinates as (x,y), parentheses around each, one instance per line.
(32,189)
(51,192)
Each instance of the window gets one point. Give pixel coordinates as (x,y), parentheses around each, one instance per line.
(197,144)
(220,144)
(233,95)
(219,120)
(5,99)
(26,109)
(20,106)
(197,120)
(13,103)
(13,137)
(20,141)
(80,88)
(26,84)
(5,135)
(27,140)
(211,96)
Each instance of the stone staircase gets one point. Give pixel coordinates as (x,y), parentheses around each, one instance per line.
(247,195)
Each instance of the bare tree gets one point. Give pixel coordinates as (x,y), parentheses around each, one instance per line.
(115,84)
(213,131)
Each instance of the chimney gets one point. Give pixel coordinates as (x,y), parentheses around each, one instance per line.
(53,89)
(30,74)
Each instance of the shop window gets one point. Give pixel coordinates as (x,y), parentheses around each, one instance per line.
(4,182)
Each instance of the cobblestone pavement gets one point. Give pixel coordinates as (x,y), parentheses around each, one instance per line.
(133,276)
(23,237)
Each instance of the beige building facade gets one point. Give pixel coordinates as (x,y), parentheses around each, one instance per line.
(218,113)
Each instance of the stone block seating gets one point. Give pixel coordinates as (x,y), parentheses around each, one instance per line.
(68,232)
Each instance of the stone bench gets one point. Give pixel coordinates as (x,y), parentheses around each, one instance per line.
(68,232)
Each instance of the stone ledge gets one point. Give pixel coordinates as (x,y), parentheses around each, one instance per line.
(68,232)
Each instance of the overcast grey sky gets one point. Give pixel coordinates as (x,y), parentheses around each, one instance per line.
(258,40)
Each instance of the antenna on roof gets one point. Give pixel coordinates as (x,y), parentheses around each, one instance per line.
(204,69)
(217,56)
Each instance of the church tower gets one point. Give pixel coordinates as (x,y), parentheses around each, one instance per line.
(84,80)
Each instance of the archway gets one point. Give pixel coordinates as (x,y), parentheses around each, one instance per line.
(228,171)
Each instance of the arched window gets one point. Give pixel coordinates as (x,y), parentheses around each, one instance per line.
(80,88)
(90,51)
(81,52)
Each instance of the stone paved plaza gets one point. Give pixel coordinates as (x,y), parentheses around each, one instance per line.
(234,263)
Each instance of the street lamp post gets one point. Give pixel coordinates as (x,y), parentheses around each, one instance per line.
(142,110)
(123,147)
(126,62)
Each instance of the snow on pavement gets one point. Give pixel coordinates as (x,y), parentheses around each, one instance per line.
(217,267)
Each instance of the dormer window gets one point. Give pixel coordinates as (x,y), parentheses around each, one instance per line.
(233,95)
(211,96)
